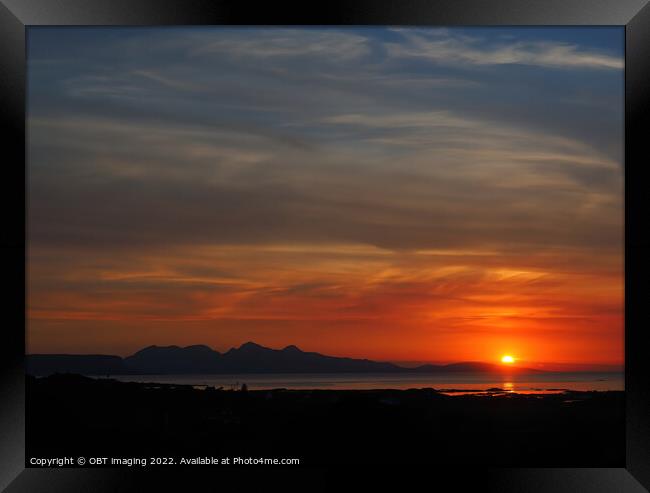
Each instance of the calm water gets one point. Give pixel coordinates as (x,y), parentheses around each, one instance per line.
(468,381)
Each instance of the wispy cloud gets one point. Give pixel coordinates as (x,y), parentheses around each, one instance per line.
(429,120)
(281,43)
(448,48)
(315,186)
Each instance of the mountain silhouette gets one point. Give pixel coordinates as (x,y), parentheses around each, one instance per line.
(247,358)
(173,359)
(253,358)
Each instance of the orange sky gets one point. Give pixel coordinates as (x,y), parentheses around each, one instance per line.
(359,193)
(342,300)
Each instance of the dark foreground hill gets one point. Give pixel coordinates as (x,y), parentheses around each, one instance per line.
(71,415)
(248,358)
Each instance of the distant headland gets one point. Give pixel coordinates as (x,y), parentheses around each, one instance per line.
(247,358)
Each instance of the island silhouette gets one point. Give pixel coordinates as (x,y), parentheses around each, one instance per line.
(247,358)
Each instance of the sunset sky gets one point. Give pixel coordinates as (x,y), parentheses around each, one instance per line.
(390,193)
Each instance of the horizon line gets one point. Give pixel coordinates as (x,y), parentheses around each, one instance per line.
(518,361)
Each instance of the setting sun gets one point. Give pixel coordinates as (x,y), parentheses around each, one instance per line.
(507,359)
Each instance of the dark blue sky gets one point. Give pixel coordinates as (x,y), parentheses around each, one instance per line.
(527,76)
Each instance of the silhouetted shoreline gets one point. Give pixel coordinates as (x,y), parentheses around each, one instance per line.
(76,415)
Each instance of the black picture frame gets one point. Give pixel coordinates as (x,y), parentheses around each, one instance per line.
(634,15)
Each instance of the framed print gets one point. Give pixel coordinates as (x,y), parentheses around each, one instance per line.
(249,238)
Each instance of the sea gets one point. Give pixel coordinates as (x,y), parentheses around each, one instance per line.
(455,384)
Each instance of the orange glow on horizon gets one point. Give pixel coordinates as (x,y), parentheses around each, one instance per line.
(363,297)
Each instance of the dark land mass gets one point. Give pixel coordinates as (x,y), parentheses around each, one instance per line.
(72,415)
(248,358)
